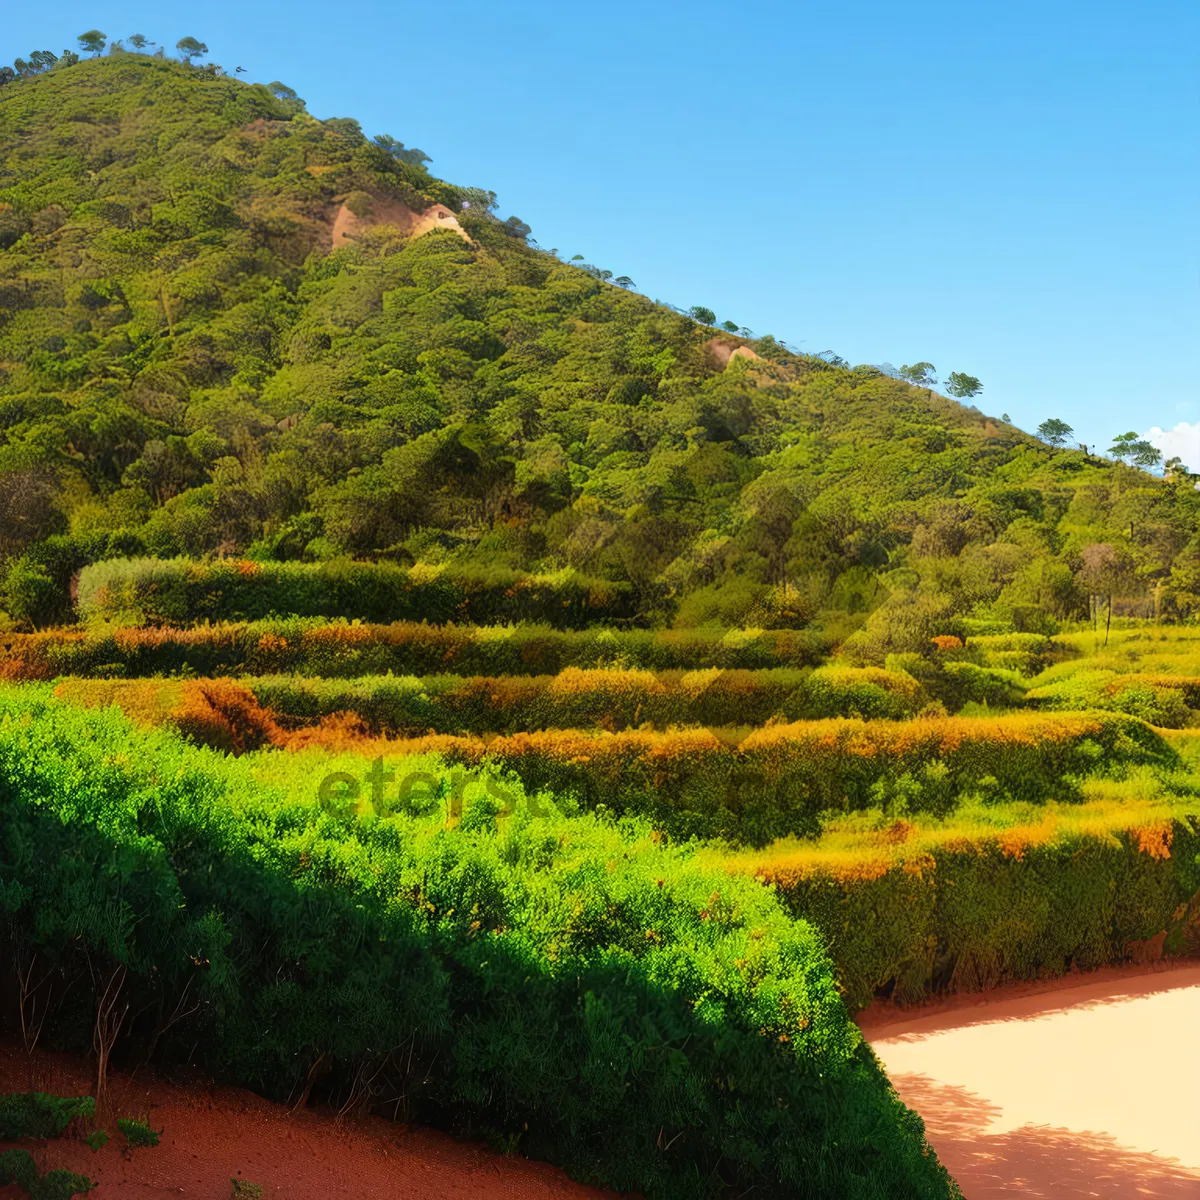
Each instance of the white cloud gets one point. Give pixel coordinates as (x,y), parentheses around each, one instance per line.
(1181,442)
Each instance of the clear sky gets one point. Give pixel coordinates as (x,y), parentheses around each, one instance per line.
(1009,190)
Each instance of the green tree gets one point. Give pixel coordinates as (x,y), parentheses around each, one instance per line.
(1054,432)
(29,593)
(189,49)
(705,316)
(388,144)
(730,326)
(962,386)
(1122,447)
(139,41)
(1146,455)
(1129,448)
(922,374)
(92,42)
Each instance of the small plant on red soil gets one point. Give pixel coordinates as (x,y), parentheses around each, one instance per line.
(138,1132)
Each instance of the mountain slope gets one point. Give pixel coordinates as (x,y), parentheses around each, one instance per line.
(189,366)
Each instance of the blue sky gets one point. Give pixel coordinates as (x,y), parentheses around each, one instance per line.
(1008,190)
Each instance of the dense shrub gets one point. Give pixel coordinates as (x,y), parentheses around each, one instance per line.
(18,1168)
(753,786)
(171,591)
(566,982)
(609,699)
(137,1132)
(39,1115)
(969,912)
(955,683)
(1025,653)
(342,650)
(740,784)
(1167,700)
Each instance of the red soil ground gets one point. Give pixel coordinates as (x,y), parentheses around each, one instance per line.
(214,1134)
(1077,1088)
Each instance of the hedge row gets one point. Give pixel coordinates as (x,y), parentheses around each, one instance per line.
(563,983)
(338,649)
(782,780)
(614,699)
(1168,700)
(972,913)
(180,590)
(1025,653)
(740,784)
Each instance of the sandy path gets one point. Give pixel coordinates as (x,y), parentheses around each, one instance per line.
(212,1135)
(1083,1088)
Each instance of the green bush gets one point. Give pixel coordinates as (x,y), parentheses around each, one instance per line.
(181,590)
(969,918)
(17,1167)
(38,1115)
(614,699)
(1025,653)
(61,1185)
(753,786)
(956,683)
(1166,700)
(339,649)
(138,1132)
(645,1022)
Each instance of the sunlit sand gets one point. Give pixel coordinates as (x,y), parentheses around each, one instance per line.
(1084,1090)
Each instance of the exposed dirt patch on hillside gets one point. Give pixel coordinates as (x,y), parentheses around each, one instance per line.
(348,225)
(725,352)
(214,1134)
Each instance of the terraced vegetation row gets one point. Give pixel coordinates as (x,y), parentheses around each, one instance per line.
(571,986)
(1048,827)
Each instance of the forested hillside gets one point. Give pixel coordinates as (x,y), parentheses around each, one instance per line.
(190,367)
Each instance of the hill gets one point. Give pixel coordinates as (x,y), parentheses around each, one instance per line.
(416,663)
(190,366)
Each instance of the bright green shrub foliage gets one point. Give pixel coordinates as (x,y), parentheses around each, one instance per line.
(654,1025)
(171,591)
(615,699)
(38,1115)
(1167,700)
